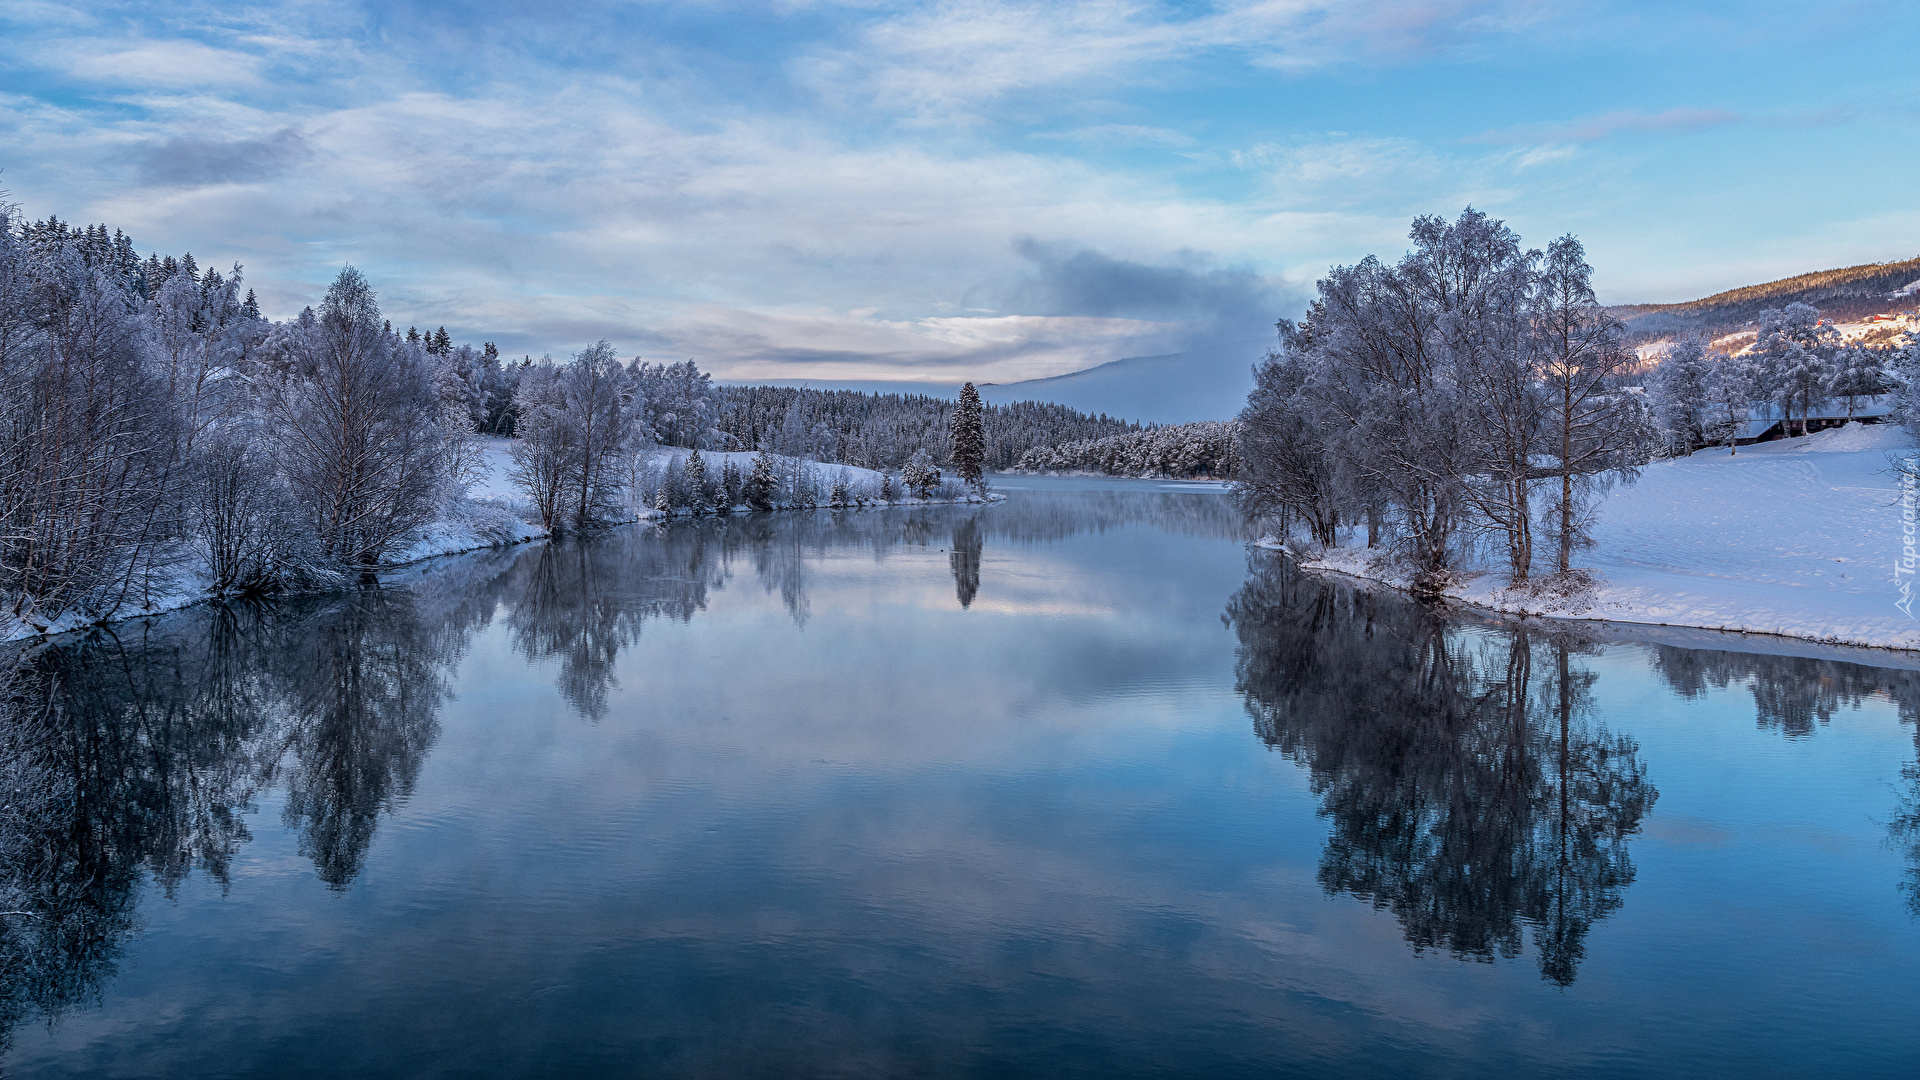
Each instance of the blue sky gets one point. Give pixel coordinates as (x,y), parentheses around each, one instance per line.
(975,189)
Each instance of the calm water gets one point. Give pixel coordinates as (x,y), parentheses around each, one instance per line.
(1070,785)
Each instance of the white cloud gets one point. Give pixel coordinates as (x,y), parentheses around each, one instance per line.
(1674,121)
(166,63)
(939,63)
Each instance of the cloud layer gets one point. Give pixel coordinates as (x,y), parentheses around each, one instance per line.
(962,189)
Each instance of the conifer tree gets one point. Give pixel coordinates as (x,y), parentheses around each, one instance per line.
(969,436)
(886,487)
(761,487)
(696,482)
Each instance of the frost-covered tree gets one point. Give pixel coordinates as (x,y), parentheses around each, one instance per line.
(1430,397)
(676,404)
(357,428)
(731,483)
(698,499)
(762,486)
(1732,387)
(1858,371)
(1682,393)
(969,433)
(1291,467)
(1794,355)
(920,475)
(1595,433)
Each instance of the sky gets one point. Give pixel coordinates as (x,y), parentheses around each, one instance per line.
(971,189)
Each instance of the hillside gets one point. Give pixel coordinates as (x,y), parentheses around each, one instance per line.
(1843,295)
(1169,389)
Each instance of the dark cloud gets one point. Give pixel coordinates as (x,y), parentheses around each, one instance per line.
(1069,281)
(1222,322)
(185,162)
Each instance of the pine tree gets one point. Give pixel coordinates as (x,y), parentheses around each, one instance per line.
(761,487)
(696,482)
(250,307)
(837,495)
(442,344)
(887,493)
(969,436)
(730,484)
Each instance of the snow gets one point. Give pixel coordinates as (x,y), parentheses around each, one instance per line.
(1797,537)
(495,484)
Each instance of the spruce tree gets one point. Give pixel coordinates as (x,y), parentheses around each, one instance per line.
(886,487)
(969,436)
(761,487)
(696,483)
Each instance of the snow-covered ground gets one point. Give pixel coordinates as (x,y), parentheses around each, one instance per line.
(1796,537)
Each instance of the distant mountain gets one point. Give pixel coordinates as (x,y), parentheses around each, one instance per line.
(1170,389)
(1844,295)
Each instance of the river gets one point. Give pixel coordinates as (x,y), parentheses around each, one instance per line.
(1073,784)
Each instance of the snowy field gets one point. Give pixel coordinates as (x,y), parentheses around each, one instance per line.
(1796,537)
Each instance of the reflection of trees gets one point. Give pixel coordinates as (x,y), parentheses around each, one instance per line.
(1469,790)
(1905,835)
(1791,694)
(135,755)
(1794,695)
(364,687)
(582,601)
(968,546)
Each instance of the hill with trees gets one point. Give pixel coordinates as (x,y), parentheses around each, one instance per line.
(1845,294)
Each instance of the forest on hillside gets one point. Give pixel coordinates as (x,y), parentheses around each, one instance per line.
(1844,294)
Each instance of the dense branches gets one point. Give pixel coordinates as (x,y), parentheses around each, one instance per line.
(1430,397)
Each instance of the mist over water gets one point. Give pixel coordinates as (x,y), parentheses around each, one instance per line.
(1073,784)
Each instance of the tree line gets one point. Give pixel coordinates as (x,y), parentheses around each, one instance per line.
(1205,449)
(1798,364)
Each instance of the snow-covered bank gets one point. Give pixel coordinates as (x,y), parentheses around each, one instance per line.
(493,513)
(1797,538)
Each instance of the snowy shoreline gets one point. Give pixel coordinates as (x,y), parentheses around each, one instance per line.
(1792,539)
(489,518)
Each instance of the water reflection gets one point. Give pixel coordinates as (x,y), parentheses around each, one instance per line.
(1791,694)
(968,546)
(1470,791)
(1465,782)
(136,755)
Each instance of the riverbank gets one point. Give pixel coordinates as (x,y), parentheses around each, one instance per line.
(1797,538)
(492,514)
